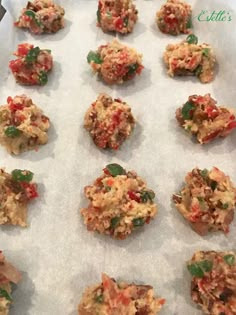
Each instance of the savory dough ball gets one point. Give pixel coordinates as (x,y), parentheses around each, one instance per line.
(109,122)
(116,15)
(115,62)
(174,17)
(41,16)
(188,58)
(119,298)
(120,202)
(213,285)
(23,126)
(32,65)
(16,191)
(201,117)
(8,275)
(207,201)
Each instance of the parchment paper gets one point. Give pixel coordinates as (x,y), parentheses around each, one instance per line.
(56,254)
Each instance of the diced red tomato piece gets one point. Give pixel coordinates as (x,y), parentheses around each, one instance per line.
(231,125)
(133,196)
(15,107)
(211,136)
(23,49)
(212,111)
(30,189)
(140,68)
(15,65)
(119,24)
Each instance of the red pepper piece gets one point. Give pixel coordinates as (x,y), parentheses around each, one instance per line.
(132,195)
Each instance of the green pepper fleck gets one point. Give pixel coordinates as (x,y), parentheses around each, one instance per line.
(198,70)
(98,15)
(32,15)
(200,199)
(22,175)
(147,195)
(205,52)
(225,205)
(132,68)
(95,57)
(115,169)
(126,21)
(32,55)
(204,173)
(43,77)
(12,132)
(192,39)
(229,259)
(198,269)
(138,222)
(99,299)
(114,222)
(187,110)
(213,185)
(5,294)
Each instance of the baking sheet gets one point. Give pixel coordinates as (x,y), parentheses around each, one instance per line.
(56,254)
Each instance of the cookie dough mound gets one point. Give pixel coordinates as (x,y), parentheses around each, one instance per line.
(213,285)
(32,65)
(17,190)
(111,297)
(115,62)
(120,202)
(202,118)
(23,126)
(188,58)
(174,17)
(116,15)
(109,122)
(41,16)
(8,275)
(207,201)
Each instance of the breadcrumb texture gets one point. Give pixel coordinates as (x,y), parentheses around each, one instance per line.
(119,204)
(110,297)
(215,292)
(109,122)
(207,200)
(41,16)
(116,15)
(23,126)
(201,117)
(174,17)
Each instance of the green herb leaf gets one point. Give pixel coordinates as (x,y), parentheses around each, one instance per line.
(192,39)
(229,259)
(198,269)
(32,55)
(204,173)
(138,222)
(95,57)
(12,132)
(115,169)
(205,52)
(225,205)
(32,15)
(132,68)
(99,298)
(189,23)
(213,185)
(98,15)
(114,222)
(198,70)
(43,77)
(22,175)
(200,199)
(5,294)
(147,195)
(187,110)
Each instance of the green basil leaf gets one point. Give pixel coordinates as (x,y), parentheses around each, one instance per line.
(32,15)
(22,175)
(95,57)
(189,23)
(147,195)
(187,110)
(98,15)
(229,259)
(225,205)
(114,222)
(12,132)
(5,294)
(126,21)
(206,52)
(204,173)
(198,70)
(115,169)
(99,299)
(137,222)
(132,68)
(192,39)
(206,265)
(43,77)
(198,269)
(213,185)
(32,55)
